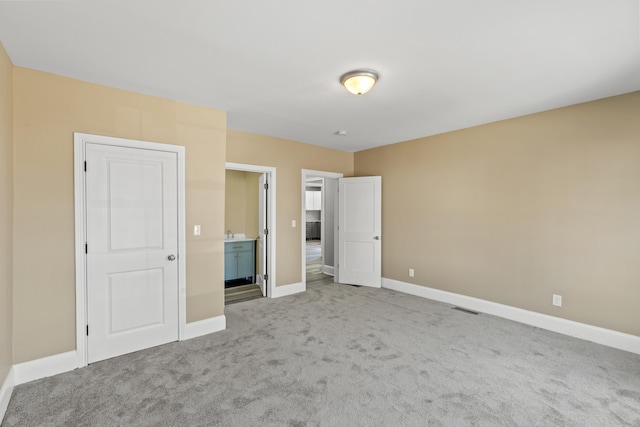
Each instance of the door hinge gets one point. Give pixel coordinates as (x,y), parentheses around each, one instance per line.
(86,248)
(266,231)
(266,186)
(265,277)
(87,330)
(85,166)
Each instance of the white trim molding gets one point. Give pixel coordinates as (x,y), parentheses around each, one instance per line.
(284,290)
(583,331)
(5,392)
(204,327)
(45,367)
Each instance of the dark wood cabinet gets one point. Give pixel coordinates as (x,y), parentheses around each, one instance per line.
(313,230)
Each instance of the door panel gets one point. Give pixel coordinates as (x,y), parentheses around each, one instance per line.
(262,242)
(359,231)
(135,300)
(132,230)
(135,214)
(245,264)
(230,265)
(359,256)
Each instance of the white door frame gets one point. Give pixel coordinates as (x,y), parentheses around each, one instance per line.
(309,173)
(80,141)
(271,218)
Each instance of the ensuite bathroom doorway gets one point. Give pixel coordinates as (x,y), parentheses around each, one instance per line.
(247,244)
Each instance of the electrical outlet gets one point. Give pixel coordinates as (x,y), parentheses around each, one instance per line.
(557,300)
(293,223)
(196,230)
(411,272)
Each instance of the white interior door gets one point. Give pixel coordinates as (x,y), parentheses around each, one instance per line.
(359,231)
(132,249)
(263,235)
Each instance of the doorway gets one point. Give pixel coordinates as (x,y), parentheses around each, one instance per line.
(319,192)
(249,232)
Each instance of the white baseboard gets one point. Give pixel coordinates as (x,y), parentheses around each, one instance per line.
(5,392)
(204,327)
(283,291)
(583,331)
(45,367)
(327,269)
(65,362)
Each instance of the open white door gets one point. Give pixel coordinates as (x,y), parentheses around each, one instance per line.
(132,249)
(359,231)
(263,233)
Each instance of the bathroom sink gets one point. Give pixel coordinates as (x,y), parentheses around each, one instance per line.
(236,236)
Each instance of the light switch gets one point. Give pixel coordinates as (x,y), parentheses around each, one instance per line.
(293,223)
(196,230)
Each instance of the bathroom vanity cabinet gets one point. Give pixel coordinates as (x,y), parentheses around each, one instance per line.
(239,260)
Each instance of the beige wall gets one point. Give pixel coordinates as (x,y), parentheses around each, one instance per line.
(252,181)
(241,202)
(235,212)
(509,212)
(6,213)
(289,158)
(517,210)
(47,110)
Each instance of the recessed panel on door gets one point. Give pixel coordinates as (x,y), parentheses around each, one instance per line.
(136,300)
(359,216)
(135,205)
(359,256)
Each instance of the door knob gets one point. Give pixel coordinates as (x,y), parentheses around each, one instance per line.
(171,257)
(376,238)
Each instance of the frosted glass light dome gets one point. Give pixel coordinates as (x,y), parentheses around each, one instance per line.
(359,82)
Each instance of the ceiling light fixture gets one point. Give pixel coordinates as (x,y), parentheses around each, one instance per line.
(359,82)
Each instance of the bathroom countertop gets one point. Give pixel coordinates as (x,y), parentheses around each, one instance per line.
(239,239)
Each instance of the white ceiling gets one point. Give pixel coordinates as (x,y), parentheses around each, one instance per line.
(274,66)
